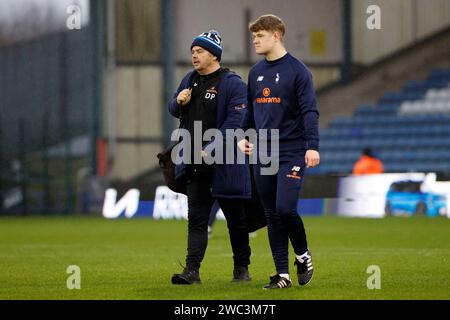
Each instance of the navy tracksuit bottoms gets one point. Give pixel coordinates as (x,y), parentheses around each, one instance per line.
(279,195)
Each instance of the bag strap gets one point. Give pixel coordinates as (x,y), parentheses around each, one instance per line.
(195,76)
(192,79)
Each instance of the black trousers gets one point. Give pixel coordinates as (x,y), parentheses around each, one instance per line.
(200,202)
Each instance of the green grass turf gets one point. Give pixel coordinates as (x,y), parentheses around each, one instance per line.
(134,259)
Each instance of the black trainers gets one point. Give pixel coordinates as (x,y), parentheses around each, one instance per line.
(241,274)
(305,268)
(187,277)
(278,282)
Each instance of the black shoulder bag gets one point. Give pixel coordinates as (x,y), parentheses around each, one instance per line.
(168,170)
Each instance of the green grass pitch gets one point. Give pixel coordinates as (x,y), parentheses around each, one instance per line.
(134,259)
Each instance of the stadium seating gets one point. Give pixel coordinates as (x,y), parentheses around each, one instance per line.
(408,130)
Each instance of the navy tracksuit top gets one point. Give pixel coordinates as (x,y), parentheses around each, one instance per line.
(281,96)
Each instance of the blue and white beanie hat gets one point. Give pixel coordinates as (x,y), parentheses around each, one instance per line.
(210,41)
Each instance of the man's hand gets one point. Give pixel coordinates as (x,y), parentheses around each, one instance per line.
(312,158)
(184,97)
(245,146)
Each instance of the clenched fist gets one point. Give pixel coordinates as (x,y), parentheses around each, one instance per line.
(184,97)
(245,146)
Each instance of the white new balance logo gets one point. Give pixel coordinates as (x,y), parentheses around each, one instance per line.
(260,78)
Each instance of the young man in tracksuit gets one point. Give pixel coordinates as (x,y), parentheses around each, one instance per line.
(216,98)
(281,96)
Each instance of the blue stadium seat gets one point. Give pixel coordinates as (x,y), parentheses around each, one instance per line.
(416,141)
(439,75)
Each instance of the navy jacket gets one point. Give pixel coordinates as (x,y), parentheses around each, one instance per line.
(229,180)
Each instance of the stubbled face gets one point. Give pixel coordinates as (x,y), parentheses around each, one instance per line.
(202,59)
(264,41)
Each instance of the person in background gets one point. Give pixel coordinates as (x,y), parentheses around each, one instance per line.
(368,163)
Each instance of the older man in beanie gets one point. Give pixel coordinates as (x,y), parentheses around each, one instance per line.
(217,98)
